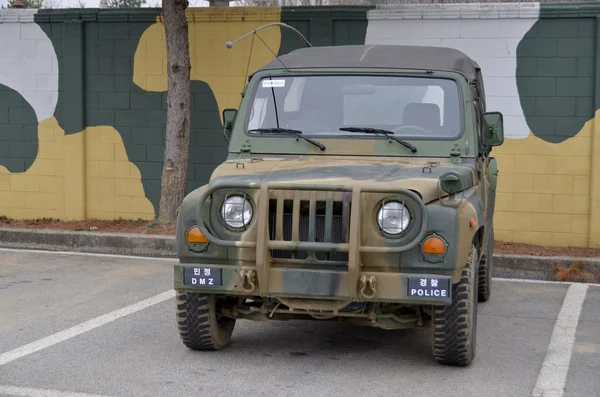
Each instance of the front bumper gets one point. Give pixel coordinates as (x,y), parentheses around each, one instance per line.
(410,288)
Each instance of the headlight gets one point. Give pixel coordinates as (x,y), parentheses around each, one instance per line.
(236,212)
(393,217)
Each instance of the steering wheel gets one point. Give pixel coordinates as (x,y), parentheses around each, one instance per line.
(399,128)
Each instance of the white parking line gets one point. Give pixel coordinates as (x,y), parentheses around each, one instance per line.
(81,328)
(534,281)
(553,374)
(31,392)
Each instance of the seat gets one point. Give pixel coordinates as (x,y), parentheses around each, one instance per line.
(426,115)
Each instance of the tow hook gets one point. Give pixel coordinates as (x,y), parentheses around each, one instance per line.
(248,279)
(367,286)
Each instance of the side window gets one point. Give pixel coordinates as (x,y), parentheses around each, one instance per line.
(257,113)
(480,90)
(478,126)
(478,114)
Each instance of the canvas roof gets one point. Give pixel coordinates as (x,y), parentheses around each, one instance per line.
(378,56)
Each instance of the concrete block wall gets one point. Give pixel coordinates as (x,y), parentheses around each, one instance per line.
(83,93)
(32,171)
(539,71)
(82,102)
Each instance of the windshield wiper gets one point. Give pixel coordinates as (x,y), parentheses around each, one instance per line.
(389,134)
(296,133)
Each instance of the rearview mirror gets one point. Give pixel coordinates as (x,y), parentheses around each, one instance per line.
(493,129)
(228,119)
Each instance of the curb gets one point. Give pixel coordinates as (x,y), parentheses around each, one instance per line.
(103,243)
(541,266)
(164,246)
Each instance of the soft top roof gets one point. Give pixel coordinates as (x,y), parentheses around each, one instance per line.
(378,56)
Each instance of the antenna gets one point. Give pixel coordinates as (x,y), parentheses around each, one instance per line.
(229,44)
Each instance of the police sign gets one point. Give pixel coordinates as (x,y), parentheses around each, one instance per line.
(429,287)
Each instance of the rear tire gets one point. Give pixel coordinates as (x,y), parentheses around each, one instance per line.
(200,323)
(485,271)
(455,325)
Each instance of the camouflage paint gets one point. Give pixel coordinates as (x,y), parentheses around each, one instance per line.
(18,131)
(112,97)
(557,80)
(218,77)
(124,87)
(38,191)
(28,90)
(332,174)
(323,26)
(538,63)
(101,89)
(555,76)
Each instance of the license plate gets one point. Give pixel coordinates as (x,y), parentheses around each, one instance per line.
(202,276)
(429,287)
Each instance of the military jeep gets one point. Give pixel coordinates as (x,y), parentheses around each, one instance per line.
(358,188)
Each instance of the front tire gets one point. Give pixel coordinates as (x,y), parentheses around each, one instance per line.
(199,321)
(455,325)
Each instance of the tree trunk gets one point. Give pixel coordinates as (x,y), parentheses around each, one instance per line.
(177,148)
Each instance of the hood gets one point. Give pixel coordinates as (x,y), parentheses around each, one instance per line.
(420,175)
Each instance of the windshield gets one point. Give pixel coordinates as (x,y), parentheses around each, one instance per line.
(410,107)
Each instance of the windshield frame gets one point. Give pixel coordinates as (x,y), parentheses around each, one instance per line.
(358,136)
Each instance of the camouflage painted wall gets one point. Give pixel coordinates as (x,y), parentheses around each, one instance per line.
(82,100)
(539,66)
(82,96)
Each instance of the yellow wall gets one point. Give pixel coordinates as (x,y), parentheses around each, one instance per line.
(224,70)
(544,190)
(79,176)
(114,185)
(40,191)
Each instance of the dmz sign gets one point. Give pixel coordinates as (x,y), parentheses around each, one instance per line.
(202,276)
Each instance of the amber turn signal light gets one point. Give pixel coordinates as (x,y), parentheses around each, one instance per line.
(433,245)
(194,235)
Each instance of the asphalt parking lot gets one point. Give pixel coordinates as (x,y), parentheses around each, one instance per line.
(92,325)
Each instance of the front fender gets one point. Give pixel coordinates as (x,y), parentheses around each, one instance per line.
(470,208)
(451,221)
(186,218)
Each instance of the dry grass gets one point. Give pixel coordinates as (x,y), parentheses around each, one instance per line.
(91,225)
(502,247)
(574,273)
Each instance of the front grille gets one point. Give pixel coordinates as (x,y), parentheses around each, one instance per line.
(331,216)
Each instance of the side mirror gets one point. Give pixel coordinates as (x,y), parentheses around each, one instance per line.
(493,129)
(228,119)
